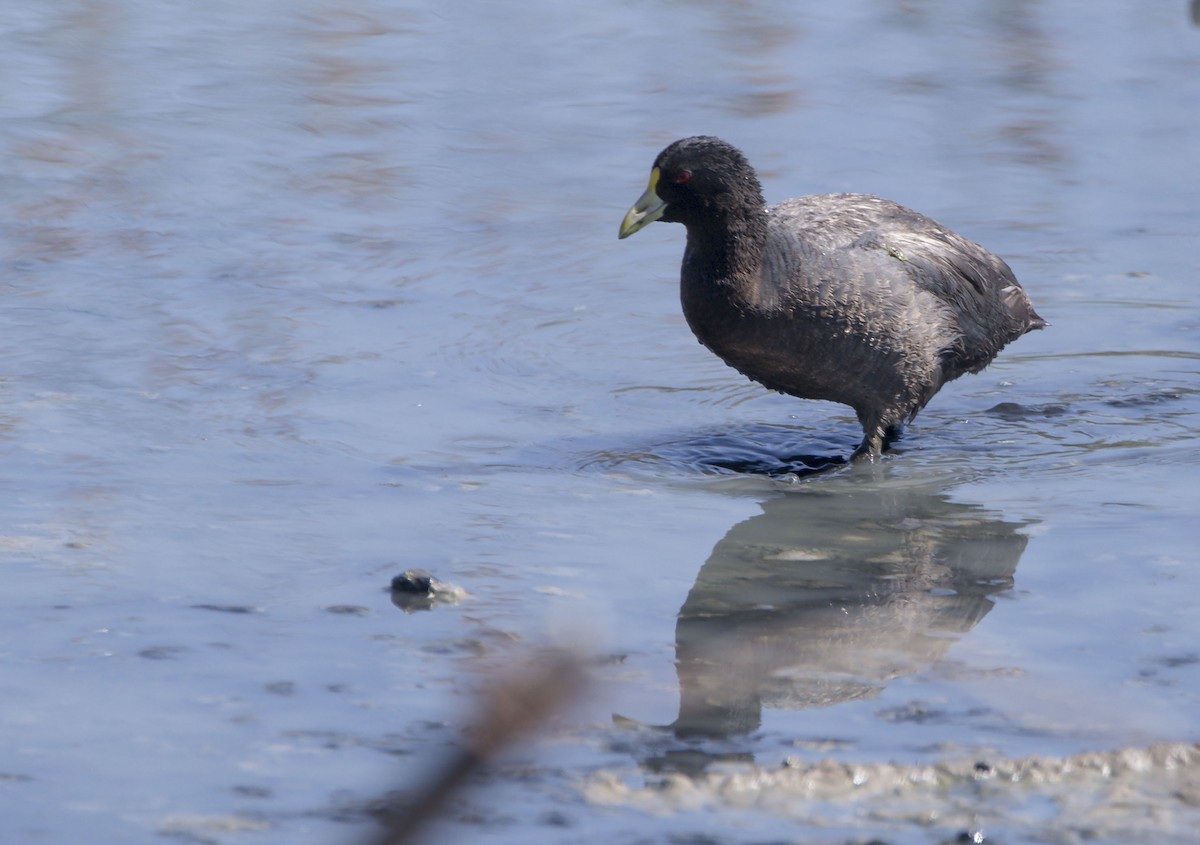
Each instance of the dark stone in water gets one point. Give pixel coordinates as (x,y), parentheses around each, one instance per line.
(416,582)
(416,589)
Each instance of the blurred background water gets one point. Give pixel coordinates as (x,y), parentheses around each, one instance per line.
(296,296)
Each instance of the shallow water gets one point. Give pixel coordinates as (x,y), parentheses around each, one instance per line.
(299,296)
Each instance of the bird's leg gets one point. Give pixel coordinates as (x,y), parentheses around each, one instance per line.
(891,434)
(877,439)
(872,445)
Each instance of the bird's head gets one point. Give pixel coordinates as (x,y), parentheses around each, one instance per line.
(694,180)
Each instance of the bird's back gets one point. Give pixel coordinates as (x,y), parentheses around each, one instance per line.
(881,260)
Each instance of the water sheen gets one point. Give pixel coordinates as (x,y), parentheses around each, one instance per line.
(296,297)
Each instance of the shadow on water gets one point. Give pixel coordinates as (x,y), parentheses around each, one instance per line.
(835,590)
(775,451)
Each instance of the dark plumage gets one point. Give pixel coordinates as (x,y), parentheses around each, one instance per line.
(845,297)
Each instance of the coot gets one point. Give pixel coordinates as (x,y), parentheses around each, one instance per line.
(844,297)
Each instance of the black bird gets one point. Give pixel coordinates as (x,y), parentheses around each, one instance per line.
(845,297)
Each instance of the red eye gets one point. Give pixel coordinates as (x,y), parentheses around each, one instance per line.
(682,176)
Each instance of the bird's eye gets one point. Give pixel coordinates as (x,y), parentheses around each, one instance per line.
(682,176)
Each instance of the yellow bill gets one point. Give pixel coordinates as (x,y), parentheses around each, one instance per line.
(648,208)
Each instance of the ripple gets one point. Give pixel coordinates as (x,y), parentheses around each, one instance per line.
(1016,411)
(775,451)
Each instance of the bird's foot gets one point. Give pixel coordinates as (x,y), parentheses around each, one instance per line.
(877,442)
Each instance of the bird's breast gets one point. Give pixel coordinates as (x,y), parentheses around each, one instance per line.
(793,351)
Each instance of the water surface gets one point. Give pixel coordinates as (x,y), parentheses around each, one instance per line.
(298,296)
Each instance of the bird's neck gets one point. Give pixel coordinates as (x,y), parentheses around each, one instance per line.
(726,254)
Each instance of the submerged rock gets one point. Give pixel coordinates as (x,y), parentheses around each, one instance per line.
(416,589)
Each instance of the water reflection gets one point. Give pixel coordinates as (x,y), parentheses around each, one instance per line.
(830,594)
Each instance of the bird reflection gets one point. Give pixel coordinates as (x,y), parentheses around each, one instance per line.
(831,593)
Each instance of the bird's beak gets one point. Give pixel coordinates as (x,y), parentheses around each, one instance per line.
(645,211)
